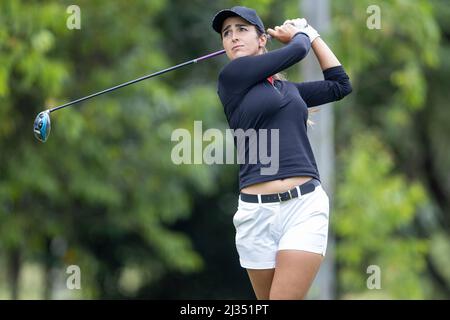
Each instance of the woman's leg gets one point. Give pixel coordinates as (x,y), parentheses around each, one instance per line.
(261,282)
(294,274)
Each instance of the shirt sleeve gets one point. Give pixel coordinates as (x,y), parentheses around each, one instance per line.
(335,87)
(244,72)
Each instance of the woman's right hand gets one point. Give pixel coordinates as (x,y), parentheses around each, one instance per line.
(283,33)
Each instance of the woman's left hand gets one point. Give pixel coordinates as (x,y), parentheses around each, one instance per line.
(298,23)
(304,27)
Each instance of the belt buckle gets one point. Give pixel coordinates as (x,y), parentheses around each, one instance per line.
(285,199)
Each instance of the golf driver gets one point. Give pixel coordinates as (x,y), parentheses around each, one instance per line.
(42,124)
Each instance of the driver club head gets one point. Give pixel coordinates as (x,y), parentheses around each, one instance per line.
(42,126)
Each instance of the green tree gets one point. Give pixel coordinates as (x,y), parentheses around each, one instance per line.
(374,223)
(397,73)
(92,195)
(104,183)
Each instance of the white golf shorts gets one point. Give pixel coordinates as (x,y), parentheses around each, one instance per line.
(297,224)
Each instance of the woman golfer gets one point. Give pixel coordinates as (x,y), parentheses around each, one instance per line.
(282,218)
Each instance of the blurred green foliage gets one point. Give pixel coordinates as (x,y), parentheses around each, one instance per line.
(373,222)
(391,196)
(103,193)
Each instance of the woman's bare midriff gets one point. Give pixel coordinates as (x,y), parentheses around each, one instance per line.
(275,186)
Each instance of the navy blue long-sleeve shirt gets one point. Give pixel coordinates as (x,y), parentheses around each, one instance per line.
(250,101)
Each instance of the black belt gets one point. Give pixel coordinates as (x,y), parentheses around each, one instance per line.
(305,188)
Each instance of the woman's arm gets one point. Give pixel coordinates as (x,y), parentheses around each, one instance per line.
(244,72)
(336,83)
(335,87)
(324,55)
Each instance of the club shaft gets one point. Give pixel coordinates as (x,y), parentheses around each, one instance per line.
(138,79)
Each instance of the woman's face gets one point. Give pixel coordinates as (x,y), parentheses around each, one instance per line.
(239,38)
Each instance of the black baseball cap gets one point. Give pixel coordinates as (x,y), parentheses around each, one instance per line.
(245,13)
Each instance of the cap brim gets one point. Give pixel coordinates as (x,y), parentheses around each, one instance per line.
(220,17)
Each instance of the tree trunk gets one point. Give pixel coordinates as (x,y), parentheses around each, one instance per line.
(48,277)
(14,265)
